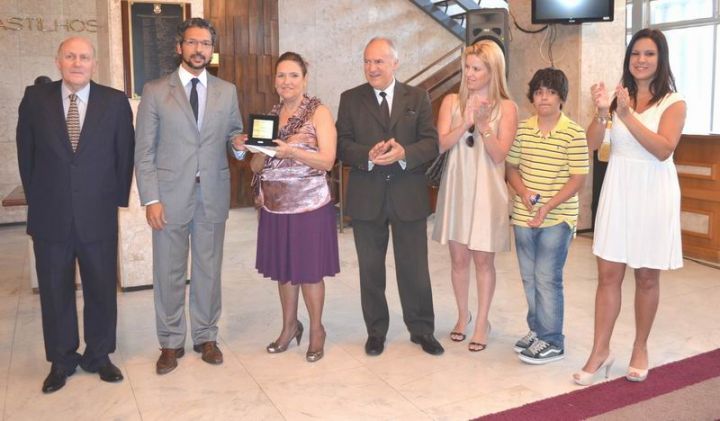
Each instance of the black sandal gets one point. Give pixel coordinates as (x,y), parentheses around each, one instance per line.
(460,336)
(476,347)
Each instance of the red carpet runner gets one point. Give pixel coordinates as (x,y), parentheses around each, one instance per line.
(608,396)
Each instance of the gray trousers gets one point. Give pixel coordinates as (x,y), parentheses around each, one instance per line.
(170,260)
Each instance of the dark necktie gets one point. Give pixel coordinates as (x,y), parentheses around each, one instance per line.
(385,109)
(73,122)
(194,97)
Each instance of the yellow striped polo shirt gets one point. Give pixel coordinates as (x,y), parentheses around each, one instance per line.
(545,164)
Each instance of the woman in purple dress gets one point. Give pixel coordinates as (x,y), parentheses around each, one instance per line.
(297,238)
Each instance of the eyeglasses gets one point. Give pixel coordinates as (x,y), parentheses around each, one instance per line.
(194,43)
(470,140)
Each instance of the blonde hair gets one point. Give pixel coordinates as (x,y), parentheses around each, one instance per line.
(492,56)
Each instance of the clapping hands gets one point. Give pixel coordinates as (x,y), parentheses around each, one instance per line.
(386,152)
(623,101)
(600,97)
(477,112)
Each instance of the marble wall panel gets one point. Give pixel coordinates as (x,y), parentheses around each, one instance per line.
(10,42)
(135,239)
(9,7)
(32,66)
(40,7)
(8,120)
(8,169)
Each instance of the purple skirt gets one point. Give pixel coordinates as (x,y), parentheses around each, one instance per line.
(300,248)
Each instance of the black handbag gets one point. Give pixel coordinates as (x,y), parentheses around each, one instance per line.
(435,170)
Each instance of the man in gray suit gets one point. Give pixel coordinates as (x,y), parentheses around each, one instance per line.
(386,133)
(185,121)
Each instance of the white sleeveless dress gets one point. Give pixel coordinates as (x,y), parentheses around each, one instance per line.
(638,215)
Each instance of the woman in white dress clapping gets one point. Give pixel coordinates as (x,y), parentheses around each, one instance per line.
(638,216)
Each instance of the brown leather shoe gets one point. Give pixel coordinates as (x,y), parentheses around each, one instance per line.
(168,359)
(211,354)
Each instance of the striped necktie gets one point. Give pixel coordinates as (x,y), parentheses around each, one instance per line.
(73,122)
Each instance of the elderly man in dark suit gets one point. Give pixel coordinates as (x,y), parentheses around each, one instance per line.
(386,133)
(75,146)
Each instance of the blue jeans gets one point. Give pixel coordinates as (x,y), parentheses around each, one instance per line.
(541,254)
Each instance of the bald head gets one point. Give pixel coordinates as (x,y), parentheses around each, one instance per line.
(383,42)
(76,62)
(76,39)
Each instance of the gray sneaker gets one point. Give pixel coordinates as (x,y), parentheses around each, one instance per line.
(525,342)
(541,352)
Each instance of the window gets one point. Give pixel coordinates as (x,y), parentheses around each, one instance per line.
(692,28)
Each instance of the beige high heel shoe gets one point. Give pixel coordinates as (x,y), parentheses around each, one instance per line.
(636,374)
(276,348)
(583,378)
(314,356)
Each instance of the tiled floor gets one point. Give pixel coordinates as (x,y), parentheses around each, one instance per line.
(402,383)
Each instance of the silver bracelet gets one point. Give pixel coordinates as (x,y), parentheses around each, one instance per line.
(602,120)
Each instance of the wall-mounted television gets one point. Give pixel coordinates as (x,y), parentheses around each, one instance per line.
(572,11)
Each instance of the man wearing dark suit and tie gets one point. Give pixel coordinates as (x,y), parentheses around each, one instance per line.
(185,123)
(386,133)
(75,151)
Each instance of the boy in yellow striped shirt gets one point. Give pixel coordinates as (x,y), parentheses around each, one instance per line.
(546,167)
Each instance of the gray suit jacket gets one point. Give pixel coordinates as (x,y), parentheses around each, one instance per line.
(360,127)
(170,151)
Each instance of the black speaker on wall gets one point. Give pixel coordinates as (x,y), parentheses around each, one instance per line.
(489,24)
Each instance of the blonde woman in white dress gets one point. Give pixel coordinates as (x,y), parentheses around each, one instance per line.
(638,216)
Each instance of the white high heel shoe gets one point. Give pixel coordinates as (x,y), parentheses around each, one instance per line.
(636,374)
(583,378)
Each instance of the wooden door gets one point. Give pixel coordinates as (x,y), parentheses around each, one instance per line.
(248,48)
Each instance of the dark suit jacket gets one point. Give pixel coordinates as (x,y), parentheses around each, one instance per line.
(83,188)
(360,127)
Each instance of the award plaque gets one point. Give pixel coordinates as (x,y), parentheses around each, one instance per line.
(263,129)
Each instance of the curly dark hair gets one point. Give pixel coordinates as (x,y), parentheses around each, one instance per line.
(550,78)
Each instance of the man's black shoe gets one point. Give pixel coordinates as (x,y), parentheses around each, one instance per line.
(374,345)
(429,343)
(55,380)
(110,373)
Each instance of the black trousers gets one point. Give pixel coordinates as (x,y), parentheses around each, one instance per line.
(411,267)
(55,265)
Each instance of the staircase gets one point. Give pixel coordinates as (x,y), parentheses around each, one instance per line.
(440,77)
(449,13)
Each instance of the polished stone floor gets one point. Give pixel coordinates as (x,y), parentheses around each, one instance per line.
(402,383)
